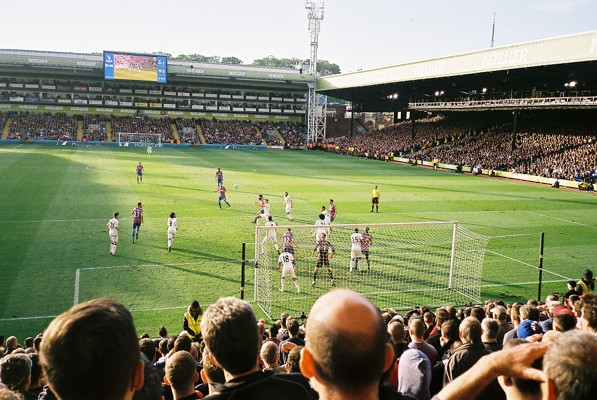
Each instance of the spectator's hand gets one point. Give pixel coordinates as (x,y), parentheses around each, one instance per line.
(516,362)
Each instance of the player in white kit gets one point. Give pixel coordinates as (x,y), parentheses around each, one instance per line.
(287,265)
(270,235)
(322,227)
(113,230)
(355,250)
(172,229)
(288,204)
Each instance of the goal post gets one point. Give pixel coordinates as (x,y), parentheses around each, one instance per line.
(401,265)
(138,139)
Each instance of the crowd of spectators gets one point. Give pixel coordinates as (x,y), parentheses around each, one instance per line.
(294,134)
(230,132)
(541,147)
(187,130)
(269,133)
(469,352)
(33,126)
(94,128)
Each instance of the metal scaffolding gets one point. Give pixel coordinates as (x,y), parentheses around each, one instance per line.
(317,103)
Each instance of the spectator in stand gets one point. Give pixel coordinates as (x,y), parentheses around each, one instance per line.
(74,354)
(211,374)
(414,375)
(358,338)
(181,374)
(564,322)
(566,361)
(519,389)
(152,383)
(501,315)
(147,347)
(230,334)
(287,345)
(490,328)
(466,356)
(15,373)
(7,394)
(515,318)
(12,344)
(571,289)
(269,356)
(416,329)
(294,372)
(529,322)
(35,386)
(588,319)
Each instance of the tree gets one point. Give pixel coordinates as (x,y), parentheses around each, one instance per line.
(231,60)
(327,68)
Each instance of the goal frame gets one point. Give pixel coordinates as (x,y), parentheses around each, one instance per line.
(128,143)
(470,294)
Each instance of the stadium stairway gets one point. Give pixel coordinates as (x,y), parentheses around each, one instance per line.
(175,133)
(79,130)
(200,133)
(109,130)
(280,136)
(6,129)
(260,135)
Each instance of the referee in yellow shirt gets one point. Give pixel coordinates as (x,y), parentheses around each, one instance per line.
(375,199)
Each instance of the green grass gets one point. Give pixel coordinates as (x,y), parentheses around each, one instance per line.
(56,201)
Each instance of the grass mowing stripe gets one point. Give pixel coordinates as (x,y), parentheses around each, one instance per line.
(58,199)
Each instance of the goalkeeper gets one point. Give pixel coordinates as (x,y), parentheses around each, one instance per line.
(326,251)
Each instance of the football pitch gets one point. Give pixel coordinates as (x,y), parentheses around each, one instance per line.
(56,201)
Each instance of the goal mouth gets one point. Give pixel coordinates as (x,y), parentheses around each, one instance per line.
(138,139)
(399,266)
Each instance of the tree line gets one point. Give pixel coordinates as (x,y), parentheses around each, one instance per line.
(323,66)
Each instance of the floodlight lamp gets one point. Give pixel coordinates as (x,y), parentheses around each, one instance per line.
(484,90)
(572,84)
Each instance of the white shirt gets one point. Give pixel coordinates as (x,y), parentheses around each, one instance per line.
(356,239)
(287,260)
(288,202)
(172,224)
(113,226)
(270,231)
(319,231)
(266,208)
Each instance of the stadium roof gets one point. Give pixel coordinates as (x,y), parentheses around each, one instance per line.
(94,62)
(542,65)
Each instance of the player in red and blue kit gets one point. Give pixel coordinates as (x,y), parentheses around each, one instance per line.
(137,221)
(140,171)
(332,210)
(220,177)
(288,242)
(222,196)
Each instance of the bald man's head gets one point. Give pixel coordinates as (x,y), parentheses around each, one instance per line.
(345,329)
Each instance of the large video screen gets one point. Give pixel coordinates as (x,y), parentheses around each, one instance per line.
(135,67)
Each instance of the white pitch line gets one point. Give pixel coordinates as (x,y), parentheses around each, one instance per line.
(17,146)
(27,318)
(77,281)
(523,283)
(560,219)
(507,236)
(527,264)
(140,266)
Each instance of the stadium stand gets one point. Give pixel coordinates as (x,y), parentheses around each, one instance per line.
(443,322)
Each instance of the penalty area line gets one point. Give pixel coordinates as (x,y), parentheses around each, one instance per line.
(527,264)
(139,266)
(523,283)
(559,219)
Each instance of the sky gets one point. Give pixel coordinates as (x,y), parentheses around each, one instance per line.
(354,34)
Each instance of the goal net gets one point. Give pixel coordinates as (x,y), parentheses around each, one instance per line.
(136,139)
(401,265)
